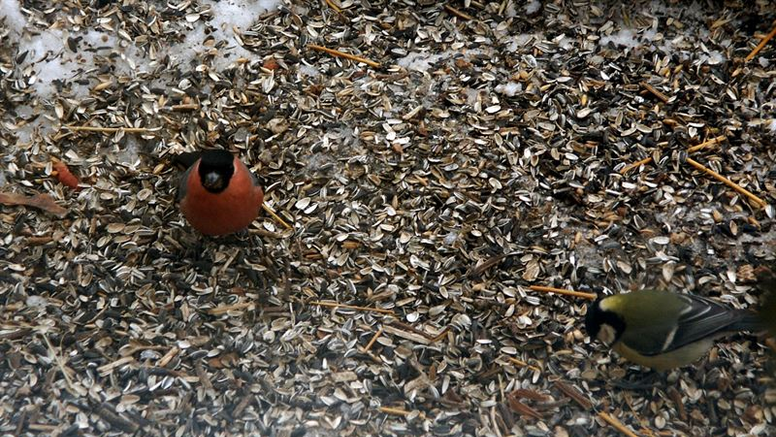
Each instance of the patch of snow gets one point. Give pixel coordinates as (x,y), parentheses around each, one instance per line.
(226,15)
(36,301)
(471,96)
(27,133)
(510,11)
(532,7)
(772,125)
(510,88)
(129,155)
(420,61)
(11,12)
(308,70)
(625,37)
(564,42)
(515,42)
(52,61)
(714,57)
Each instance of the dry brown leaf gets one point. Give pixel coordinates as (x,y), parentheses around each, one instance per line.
(40,201)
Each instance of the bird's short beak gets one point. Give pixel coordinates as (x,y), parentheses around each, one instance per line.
(213,181)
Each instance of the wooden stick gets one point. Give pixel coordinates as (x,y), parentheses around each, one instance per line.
(416,330)
(60,364)
(692,149)
(655,92)
(110,130)
(408,334)
(220,310)
(184,107)
(574,394)
(762,44)
(350,307)
(616,424)
(373,340)
(523,364)
(344,55)
(589,296)
(458,13)
(727,182)
(275,216)
(441,335)
(336,8)
(707,143)
(396,411)
(636,164)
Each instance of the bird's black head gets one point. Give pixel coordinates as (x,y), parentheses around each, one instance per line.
(603,324)
(216,168)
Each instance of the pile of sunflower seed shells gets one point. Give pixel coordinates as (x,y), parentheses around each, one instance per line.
(487,152)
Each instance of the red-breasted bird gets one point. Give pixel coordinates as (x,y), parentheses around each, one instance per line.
(218,195)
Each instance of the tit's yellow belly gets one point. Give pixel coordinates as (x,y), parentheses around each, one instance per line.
(669,360)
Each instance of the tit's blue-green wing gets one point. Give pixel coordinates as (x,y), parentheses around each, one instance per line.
(683,319)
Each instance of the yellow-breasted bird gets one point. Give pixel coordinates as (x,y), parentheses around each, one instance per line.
(663,330)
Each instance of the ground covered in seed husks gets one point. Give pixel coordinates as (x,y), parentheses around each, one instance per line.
(478,149)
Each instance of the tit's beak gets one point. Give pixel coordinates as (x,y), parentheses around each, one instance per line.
(213,181)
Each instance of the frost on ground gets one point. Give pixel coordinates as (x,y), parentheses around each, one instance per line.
(421,61)
(56,62)
(510,89)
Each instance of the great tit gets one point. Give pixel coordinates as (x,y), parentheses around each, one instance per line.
(663,330)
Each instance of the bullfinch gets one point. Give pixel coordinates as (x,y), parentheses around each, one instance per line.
(218,195)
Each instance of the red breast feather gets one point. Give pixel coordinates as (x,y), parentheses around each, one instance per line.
(226,212)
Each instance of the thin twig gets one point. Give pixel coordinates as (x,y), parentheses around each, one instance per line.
(523,364)
(616,424)
(184,107)
(168,357)
(332,5)
(408,334)
(110,130)
(727,182)
(39,240)
(220,310)
(762,44)
(61,365)
(373,340)
(574,394)
(344,55)
(692,149)
(589,296)
(521,408)
(275,216)
(350,307)
(636,164)
(656,92)
(707,143)
(396,411)
(458,13)
(416,330)
(441,335)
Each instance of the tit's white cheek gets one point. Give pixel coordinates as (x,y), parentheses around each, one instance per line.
(607,334)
